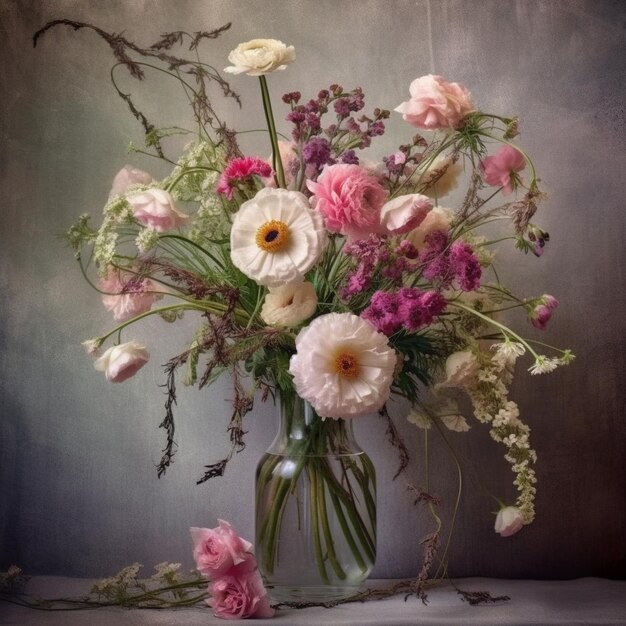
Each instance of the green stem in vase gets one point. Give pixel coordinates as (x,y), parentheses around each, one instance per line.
(317,541)
(346,532)
(323,514)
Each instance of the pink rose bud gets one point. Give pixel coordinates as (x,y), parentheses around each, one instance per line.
(436,104)
(499,170)
(218,550)
(127,177)
(123,361)
(542,312)
(404,213)
(509,521)
(155,208)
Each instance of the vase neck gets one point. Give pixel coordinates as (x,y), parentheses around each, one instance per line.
(302,431)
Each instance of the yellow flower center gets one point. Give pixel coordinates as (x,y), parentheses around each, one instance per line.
(273,236)
(346,365)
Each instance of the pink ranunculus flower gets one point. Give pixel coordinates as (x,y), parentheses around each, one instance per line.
(499,170)
(156,209)
(241,170)
(218,550)
(436,104)
(127,177)
(239,596)
(349,199)
(122,361)
(509,521)
(542,312)
(127,294)
(404,213)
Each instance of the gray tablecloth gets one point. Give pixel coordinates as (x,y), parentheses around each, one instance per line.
(582,601)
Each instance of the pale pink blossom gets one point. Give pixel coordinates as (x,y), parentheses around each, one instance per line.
(343,366)
(239,596)
(461,370)
(155,208)
(499,170)
(404,213)
(127,177)
(436,104)
(127,295)
(349,199)
(509,521)
(122,361)
(217,550)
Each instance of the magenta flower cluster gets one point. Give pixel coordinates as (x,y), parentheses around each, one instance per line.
(377,254)
(409,308)
(450,264)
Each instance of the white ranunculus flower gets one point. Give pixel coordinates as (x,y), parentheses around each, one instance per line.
(508,521)
(276,238)
(441,176)
(156,209)
(437,219)
(289,305)
(343,366)
(259,57)
(461,369)
(123,361)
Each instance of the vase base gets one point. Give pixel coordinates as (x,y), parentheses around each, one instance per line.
(311,593)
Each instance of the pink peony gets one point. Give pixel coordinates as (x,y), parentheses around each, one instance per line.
(349,199)
(122,361)
(436,104)
(499,170)
(155,208)
(404,213)
(241,169)
(127,295)
(127,177)
(218,550)
(239,597)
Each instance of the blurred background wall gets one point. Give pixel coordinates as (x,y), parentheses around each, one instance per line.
(79,493)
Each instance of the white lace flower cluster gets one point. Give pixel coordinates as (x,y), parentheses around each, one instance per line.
(491,405)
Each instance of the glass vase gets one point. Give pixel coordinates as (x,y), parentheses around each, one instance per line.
(315,508)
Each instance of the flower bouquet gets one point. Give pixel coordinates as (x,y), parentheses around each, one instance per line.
(327,281)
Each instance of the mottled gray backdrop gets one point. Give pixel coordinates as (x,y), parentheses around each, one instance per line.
(79,493)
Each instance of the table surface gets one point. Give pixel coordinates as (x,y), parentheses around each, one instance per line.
(582,601)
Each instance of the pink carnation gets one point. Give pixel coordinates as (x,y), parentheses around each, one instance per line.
(499,170)
(349,199)
(241,169)
(436,104)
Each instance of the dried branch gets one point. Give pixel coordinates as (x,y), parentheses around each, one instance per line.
(396,441)
(481,597)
